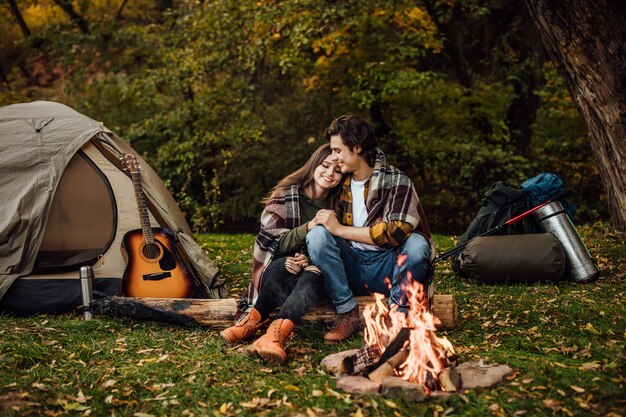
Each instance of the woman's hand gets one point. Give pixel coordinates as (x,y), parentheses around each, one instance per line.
(292,266)
(301,260)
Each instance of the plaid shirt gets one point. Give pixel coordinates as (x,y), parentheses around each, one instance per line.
(394,211)
(281,214)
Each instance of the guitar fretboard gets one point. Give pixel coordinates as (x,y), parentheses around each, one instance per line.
(142,208)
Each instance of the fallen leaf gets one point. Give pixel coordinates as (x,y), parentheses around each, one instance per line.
(109,383)
(390,404)
(39,386)
(552,404)
(224,407)
(577,389)
(590,366)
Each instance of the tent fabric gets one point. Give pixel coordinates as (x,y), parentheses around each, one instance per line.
(37,142)
(32,160)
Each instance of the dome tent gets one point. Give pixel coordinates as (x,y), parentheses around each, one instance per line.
(66,203)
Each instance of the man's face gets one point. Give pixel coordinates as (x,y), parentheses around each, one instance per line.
(347,160)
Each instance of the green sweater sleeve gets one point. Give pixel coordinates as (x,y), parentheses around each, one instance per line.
(292,240)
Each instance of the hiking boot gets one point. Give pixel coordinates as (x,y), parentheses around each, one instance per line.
(244,329)
(270,346)
(345,326)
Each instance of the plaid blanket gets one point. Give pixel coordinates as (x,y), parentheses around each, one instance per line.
(391,197)
(281,214)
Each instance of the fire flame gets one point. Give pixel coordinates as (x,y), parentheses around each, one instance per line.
(427,352)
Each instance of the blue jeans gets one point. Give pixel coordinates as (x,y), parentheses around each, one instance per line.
(348,271)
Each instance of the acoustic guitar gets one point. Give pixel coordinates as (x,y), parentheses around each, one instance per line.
(153,267)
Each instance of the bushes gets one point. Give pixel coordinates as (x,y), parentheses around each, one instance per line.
(225,98)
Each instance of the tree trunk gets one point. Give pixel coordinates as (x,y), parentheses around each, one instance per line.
(118,15)
(20,19)
(587,42)
(67,7)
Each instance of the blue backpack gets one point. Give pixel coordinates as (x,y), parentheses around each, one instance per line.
(543,187)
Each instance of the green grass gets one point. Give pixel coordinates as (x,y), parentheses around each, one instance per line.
(565,342)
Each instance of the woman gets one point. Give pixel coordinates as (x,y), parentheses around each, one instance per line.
(280,267)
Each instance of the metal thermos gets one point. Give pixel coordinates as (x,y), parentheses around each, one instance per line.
(579,265)
(86,289)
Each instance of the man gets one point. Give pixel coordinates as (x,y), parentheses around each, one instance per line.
(381,219)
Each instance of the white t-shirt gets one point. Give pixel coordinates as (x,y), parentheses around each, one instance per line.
(359,212)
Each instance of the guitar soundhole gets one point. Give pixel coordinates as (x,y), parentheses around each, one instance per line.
(151,251)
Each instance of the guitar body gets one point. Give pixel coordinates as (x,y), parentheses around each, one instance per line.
(154,270)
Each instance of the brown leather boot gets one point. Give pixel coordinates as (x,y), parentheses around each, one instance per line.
(345,326)
(270,346)
(243,329)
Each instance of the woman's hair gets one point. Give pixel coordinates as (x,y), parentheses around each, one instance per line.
(355,131)
(303,176)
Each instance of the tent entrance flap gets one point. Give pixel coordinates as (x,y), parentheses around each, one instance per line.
(82,220)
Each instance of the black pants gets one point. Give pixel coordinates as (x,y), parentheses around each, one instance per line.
(295,293)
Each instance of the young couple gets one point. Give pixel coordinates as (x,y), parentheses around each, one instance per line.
(332,230)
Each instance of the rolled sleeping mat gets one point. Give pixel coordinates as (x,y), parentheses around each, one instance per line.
(513,259)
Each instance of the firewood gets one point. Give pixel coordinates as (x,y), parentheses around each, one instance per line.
(445,309)
(388,368)
(220,313)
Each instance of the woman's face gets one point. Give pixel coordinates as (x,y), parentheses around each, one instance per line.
(327,175)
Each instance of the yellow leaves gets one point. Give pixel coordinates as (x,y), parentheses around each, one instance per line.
(291,388)
(39,386)
(331,44)
(160,387)
(109,383)
(358,413)
(589,327)
(590,366)
(577,389)
(225,407)
(256,402)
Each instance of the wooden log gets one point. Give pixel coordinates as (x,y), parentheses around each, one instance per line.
(445,309)
(220,313)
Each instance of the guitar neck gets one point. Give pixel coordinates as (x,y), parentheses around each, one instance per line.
(142,208)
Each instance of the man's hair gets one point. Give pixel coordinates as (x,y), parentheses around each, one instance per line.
(355,131)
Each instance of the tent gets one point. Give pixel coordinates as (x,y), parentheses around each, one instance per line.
(66,203)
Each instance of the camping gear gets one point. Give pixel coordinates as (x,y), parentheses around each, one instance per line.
(86,289)
(66,203)
(153,268)
(541,187)
(580,266)
(500,203)
(495,230)
(513,259)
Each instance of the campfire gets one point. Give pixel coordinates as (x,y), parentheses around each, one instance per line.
(403,357)
(404,345)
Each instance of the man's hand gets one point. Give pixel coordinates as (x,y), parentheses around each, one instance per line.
(328,219)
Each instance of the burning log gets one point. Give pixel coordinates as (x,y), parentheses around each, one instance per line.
(424,356)
(392,348)
(359,362)
(388,367)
